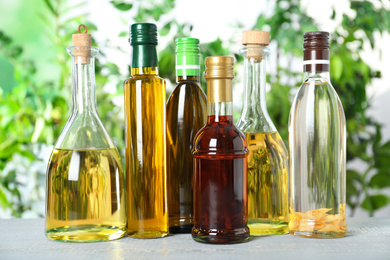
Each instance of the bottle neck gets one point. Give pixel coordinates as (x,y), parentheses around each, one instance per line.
(187,78)
(83,82)
(254,88)
(219,100)
(321,76)
(144,60)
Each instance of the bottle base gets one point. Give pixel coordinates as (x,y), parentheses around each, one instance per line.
(85,233)
(267,228)
(318,234)
(220,237)
(147,234)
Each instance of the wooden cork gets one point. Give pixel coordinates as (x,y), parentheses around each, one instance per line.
(255,40)
(82,40)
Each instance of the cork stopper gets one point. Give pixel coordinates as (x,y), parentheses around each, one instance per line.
(82,40)
(255,40)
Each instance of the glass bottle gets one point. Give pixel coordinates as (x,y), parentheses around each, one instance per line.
(85,197)
(220,197)
(317,141)
(267,160)
(145,138)
(186,115)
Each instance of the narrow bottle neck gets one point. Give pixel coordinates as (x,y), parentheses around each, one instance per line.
(254,88)
(83,81)
(187,78)
(144,60)
(219,100)
(321,76)
(218,112)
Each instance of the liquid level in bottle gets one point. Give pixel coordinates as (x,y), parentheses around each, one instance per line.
(268,211)
(85,196)
(147,212)
(186,114)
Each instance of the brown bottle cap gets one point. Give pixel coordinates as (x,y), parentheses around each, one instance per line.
(82,40)
(255,37)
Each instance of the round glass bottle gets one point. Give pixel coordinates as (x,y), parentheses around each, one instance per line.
(267,160)
(85,196)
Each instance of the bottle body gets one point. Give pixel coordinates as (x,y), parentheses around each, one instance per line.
(220,198)
(317,141)
(85,196)
(145,154)
(268,212)
(186,115)
(267,184)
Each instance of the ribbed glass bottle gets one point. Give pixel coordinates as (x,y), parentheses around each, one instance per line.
(186,115)
(220,197)
(85,195)
(317,142)
(267,160)
(145,138)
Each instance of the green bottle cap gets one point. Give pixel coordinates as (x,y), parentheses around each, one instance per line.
(143,33)
(187,57)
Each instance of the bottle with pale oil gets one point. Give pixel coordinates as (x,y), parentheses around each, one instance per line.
(85,195)
(145,135)
(267,163)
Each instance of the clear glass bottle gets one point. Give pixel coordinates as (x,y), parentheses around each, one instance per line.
(267,160)
(145,96)
(186,115)
(85,196)
(220,197)
(317,142)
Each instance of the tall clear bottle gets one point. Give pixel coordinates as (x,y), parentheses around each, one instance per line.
(220,197)
(267,160)
(317,142)
(186,115)
(85,197)
(145,138)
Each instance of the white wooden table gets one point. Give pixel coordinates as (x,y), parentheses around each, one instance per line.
(367,238)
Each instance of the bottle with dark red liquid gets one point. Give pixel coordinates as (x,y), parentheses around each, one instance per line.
(220,157)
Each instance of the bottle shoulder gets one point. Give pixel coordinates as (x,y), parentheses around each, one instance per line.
(189,92)
(220,138)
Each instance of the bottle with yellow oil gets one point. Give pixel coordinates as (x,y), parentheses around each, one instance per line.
(267,163)
(85,196)
(145,134)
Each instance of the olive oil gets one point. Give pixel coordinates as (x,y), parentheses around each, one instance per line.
(267,184)
(267,166)
(145,134)
(186,115)
(85,195)
(85,198)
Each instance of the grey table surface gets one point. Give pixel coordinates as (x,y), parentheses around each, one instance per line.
(367,238)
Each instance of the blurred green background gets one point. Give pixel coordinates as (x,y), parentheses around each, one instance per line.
(35,92)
